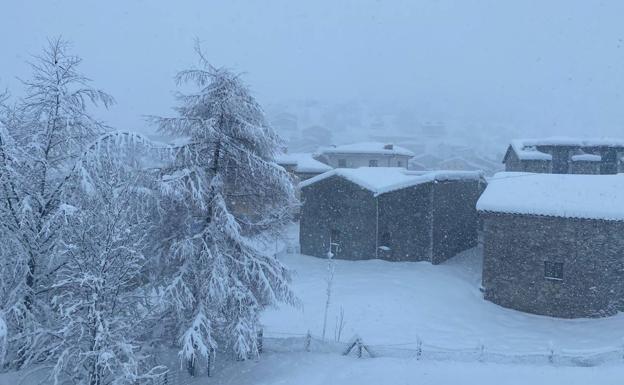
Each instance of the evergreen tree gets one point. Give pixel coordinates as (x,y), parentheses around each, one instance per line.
(43,137)
(225,192)
(100,292)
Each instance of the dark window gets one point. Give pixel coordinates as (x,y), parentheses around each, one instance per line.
(372,163)
(399,163)
(384,240)
(342,163)
(385,248)
(553,270)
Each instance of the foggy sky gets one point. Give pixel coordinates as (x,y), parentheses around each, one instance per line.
(543,66)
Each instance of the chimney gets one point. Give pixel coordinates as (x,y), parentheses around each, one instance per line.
(388,146)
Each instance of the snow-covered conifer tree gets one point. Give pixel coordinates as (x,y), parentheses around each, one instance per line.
(99,294)
(226,191)
(42,137)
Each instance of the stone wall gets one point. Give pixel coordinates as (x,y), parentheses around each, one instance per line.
(584,167)
(517,246)
(406,215)
(513,163)
(335,203)
(561,161)
(455,220)
(426,222)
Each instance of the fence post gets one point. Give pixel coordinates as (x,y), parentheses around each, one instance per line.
(308,341)
(356,343)
(551,353)
(481,352)
(419,348)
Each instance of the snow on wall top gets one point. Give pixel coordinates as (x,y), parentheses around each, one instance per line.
(367,148)
(558,195)
(303,162)
(526,148)
(586,158)
(381,180)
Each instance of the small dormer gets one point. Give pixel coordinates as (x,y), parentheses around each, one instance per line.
(389,146)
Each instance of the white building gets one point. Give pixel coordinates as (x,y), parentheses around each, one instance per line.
(365,154)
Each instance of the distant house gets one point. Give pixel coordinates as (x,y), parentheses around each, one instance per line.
(463,161)
(427,160)
(366,154)
(565,156)
(554,244)
(458,163)
(389,213)
(301,165)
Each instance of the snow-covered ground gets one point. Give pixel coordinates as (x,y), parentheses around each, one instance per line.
(324,369)
(396,303)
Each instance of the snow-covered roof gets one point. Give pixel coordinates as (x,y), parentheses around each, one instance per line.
(526,148)
(381,180)
(558,195)
(528,152)
(303,162)
(586,158)
(367,148)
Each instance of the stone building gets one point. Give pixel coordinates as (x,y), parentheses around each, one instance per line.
(367,154)
(389,213)
(554,244)
(565,156)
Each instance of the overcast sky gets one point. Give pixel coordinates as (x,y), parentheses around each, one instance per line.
(549,66)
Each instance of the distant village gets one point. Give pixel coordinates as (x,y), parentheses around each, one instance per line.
(551,225)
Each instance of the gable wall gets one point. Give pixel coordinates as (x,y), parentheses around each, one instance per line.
(455,219)
(516,246)
(406,215)
(337,203)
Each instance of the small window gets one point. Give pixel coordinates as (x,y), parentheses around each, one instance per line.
(372,163)
(384,240)
(385,247)
(334,235)
(553,270)
(342,163)
(399,163)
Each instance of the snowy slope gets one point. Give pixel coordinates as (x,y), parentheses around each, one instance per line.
(399,302)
